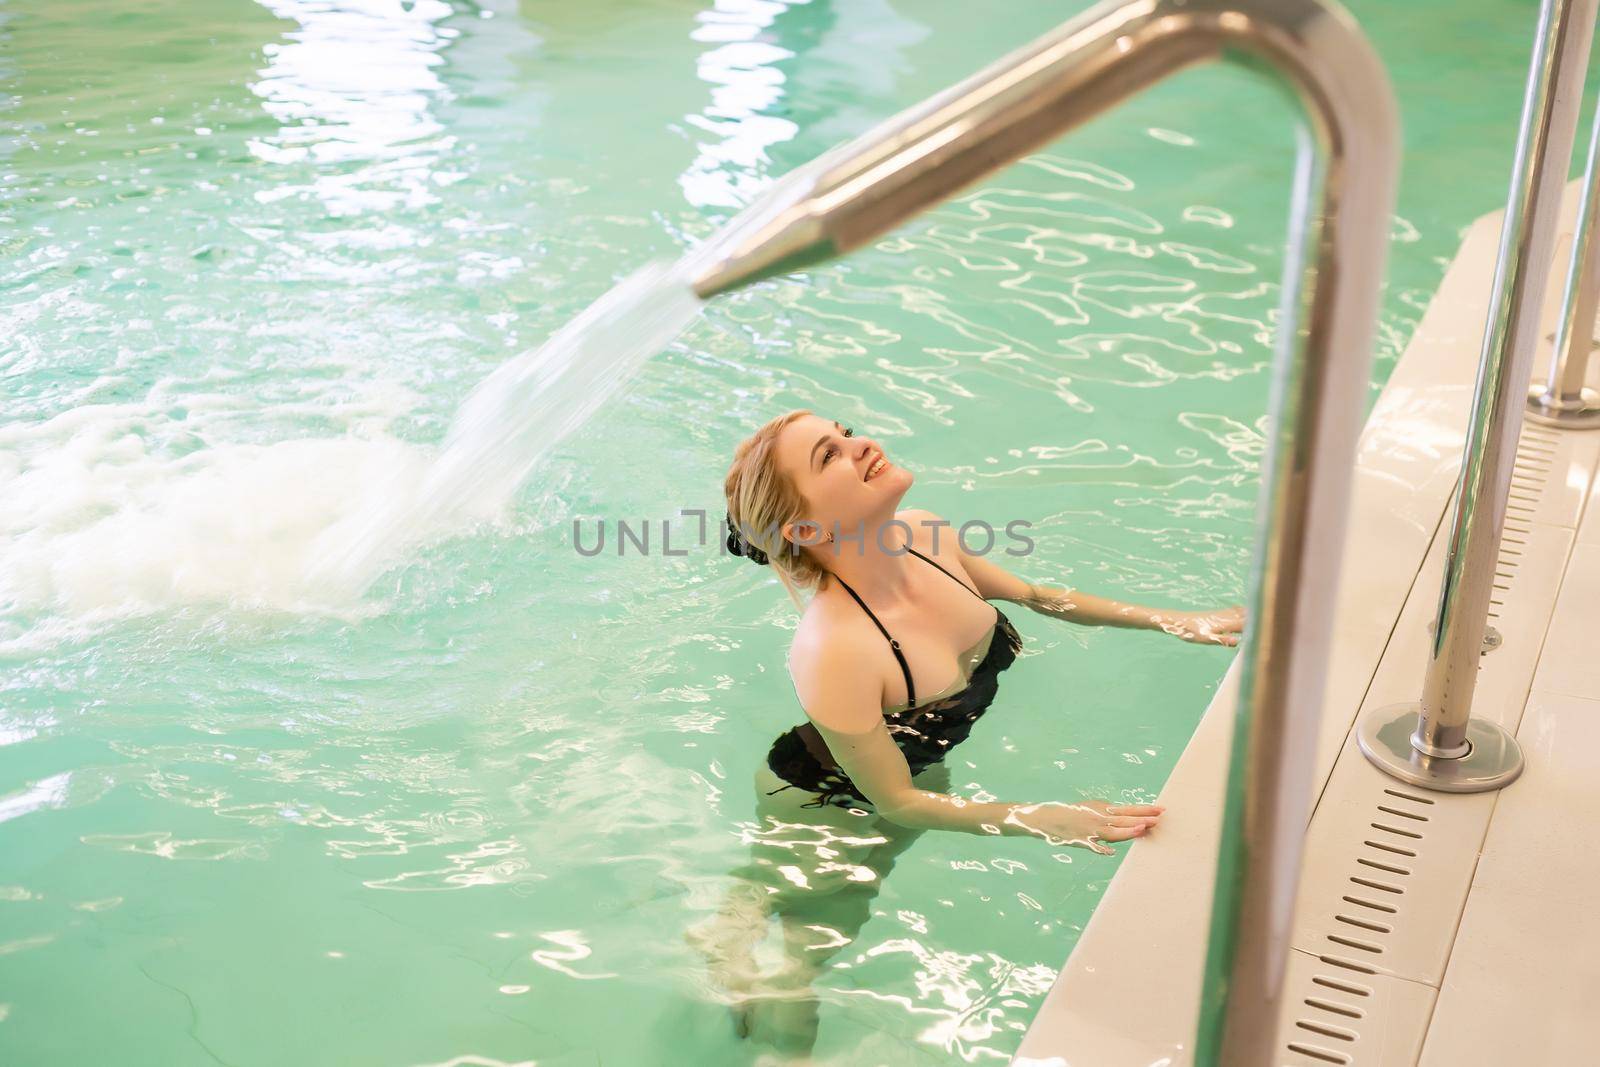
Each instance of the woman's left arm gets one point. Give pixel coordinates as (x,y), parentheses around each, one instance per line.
(1222,627)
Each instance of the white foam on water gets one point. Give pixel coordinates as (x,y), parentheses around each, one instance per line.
(101,517)
(117,510)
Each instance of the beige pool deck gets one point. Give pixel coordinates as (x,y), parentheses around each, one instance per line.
(1448,930)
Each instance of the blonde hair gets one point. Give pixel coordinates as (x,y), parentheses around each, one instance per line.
(762,498)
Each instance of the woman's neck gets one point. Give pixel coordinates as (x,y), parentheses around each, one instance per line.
(878,572)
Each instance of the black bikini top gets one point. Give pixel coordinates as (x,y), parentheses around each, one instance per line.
(801,758)
(894,646)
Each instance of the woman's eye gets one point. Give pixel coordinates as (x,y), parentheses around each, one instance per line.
(827,453)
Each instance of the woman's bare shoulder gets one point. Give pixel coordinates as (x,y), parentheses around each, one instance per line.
(832,666)
(821,635)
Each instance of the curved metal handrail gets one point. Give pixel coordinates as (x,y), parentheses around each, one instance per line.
(1337,249)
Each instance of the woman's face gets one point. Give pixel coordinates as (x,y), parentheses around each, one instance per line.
(840,476)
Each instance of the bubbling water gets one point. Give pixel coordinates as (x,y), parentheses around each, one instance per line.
(112,511)
(103,517)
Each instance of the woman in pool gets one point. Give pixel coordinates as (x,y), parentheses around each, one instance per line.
(898,608)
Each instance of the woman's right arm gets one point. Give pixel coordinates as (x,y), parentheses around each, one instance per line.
(836,688)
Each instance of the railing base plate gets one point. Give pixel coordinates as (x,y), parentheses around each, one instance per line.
(1582,413)
(1494,761)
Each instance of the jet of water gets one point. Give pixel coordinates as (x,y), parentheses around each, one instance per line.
(514,417)
(510,421)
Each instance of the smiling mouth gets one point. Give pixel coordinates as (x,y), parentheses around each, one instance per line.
(879,465)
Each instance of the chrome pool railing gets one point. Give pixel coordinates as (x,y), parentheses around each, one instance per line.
(1348,152)
(1435,742)
(1562,399)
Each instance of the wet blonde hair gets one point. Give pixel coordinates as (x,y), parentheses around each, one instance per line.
(762,498)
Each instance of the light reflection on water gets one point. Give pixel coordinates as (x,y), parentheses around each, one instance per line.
(355,84)
(256,258)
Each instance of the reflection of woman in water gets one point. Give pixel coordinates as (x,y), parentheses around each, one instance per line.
(898,608)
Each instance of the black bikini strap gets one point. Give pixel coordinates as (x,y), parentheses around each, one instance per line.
(894,646)
(953,578)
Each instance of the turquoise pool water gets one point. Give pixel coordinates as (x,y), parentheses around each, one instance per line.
(255,255)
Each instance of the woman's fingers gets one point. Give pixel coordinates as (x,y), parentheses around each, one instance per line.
(1120,833)
(1122,822)
(1134,809)
(1221,627)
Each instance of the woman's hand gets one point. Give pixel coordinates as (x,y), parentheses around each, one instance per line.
(1087,823)
(1204,627)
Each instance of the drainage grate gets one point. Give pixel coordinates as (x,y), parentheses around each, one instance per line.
(1330,1010)
(1530,473)
(1335,1004)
